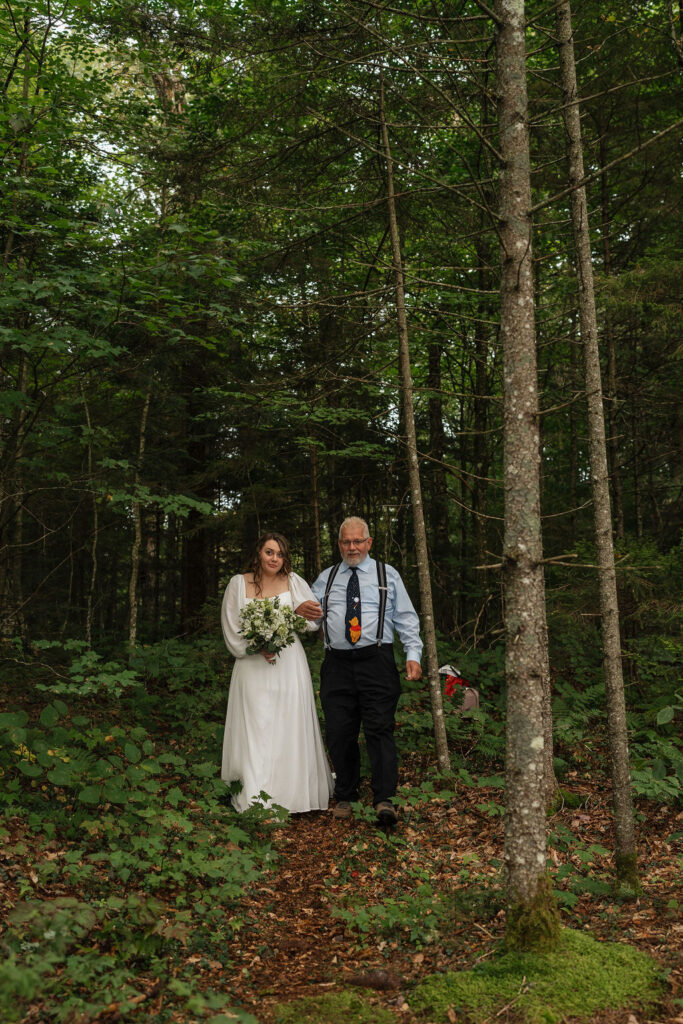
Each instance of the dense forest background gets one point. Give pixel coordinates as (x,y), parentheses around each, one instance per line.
(199,342)
(197,309)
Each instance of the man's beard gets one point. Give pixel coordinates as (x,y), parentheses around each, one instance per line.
(353,559)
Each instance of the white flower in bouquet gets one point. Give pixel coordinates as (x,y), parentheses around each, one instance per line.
(267,625)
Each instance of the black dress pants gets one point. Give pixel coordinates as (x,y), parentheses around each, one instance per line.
(361,687)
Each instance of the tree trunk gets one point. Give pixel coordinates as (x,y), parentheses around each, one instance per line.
(315,500)
(626,860)
(480,442)
(635,441)
(573,433)
(532,918)
(12,434)
(95,529)
(11,519)
(612,396)
(441,557)
(137,542)
(414,466)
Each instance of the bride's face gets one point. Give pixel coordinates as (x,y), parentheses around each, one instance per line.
(271,558)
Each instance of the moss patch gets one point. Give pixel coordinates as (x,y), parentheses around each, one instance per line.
(535,926)
(627,883)
(564,798)
(333,1008)
(577,979)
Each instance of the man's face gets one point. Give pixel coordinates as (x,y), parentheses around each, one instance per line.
(353,545)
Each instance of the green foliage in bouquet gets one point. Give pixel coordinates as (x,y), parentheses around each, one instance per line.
(267,625)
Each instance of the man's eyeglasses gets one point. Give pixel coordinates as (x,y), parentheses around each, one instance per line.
(354,543)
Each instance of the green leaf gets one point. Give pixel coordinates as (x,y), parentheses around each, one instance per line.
(13,719)
(132,752)
(665,715)
(114,794)
(30,769)
(49,716)
(90,795)
(174,796)
(61,775)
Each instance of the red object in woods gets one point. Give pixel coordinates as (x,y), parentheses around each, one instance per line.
(452,682)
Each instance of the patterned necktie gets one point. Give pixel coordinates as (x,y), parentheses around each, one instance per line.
(353,616)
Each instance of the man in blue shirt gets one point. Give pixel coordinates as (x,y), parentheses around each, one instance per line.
(359,681)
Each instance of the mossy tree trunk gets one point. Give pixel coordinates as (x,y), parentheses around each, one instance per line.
(532,920)
(406,386)
(602,516)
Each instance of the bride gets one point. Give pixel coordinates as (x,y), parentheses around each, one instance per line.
(272,739)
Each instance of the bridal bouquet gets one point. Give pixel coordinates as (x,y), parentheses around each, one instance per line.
(268,626)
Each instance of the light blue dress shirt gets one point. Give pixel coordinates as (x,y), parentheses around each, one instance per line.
(400,614)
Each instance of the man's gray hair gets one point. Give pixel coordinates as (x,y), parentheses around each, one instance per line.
(354,521)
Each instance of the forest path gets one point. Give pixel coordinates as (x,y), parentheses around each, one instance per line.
(294,945)
(297,945)
(438,876)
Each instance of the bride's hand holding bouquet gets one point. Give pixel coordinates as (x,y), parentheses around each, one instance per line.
(269,627)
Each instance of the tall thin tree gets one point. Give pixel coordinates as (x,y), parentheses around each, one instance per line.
(532,918)
(137,521)
(406,384)
(626,857)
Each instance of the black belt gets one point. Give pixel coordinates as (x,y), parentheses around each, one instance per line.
(359,653)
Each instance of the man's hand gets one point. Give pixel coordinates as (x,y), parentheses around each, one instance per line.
(413,670)
(311,610)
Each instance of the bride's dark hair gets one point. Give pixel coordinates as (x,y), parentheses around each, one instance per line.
(254,565)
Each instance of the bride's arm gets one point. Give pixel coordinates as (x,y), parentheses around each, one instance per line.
(230,617)
(301,592)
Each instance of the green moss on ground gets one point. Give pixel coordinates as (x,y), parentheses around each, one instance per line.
(577,979)
(332,1008)
(562,798)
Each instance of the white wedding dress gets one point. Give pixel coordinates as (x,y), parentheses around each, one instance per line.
(272,740)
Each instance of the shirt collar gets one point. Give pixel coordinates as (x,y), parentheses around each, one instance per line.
(364,566)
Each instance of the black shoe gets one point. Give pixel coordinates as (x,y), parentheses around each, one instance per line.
(386,813)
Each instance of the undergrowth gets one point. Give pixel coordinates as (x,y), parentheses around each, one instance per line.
(128,868)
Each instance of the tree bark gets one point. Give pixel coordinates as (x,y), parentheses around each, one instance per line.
(635,441)
(626,858)
(613,398)
(441,557)
(573,432)
(481,446)
(95,529)
(137,542)
(12,434)
(428,629)
(315,499)
(532,918)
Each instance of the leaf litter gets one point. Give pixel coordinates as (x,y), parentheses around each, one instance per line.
(352,906)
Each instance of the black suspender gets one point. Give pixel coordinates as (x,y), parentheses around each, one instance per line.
(330,580)
(382,584)
(381,615)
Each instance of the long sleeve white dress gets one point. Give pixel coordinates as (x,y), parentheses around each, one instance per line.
(272,740)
